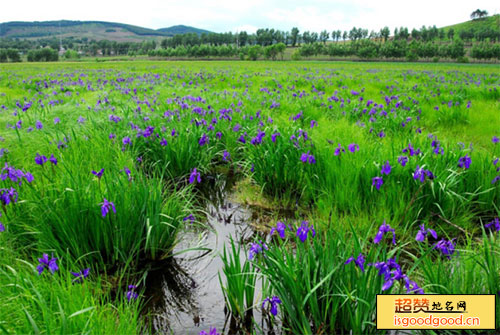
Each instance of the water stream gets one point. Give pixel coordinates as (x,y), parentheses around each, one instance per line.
(185,296)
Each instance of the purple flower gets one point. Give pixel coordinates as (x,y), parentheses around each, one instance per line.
(307,158)
(98,174)
(38,125)
(194,176)
(40,159)
(273,137)
(411,151)
(57,120)
(255,249)
(81,120)
(203,140)
(189,218)
(495,224)
(313,123)
(273,302)
(447,248)
(464,162)
(359,261)
(495,139)
(353,147)
(45,263)
(7,196)
(402,160)
(213,331)
(163,142)
(53,160)
(384,228)
(126,140)
(386,168)
(280,228)
(422,233)
(127,172)
(80,275)
(377,182)
(421,173)
(2,227)
(226,156)
(497,178)
(131,294)
(105,206)
(304,229)
(338,150)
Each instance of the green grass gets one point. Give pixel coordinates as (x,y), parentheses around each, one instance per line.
(59,212)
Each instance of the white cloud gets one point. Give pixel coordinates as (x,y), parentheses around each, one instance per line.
(232,15)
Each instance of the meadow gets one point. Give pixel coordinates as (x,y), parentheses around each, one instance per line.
(389,173)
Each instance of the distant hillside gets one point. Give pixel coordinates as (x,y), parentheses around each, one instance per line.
(91,30)
(492,22)
(180,29)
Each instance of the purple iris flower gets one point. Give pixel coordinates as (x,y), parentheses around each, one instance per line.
(203,140)
(53,160)
(495,224)
(40,159)
(384,228)
(126,140)
(304,229)
(307,158)
(359,261)
(8,195)
(57,120)
(213,331)
(411,151)
(420,174)
(163,142)
(80,275)
(226,156)
(402,160)
(105,206)
(131,294)
(495,139)
(338,150)
(38,125)
(273,302)
(446,247)
(189,218)
(464,162)
(194,176)
(353,147)
(386,168)
(45,263)
(377,182)
(98,174)
(422,233)
(313,123)
(256,248)
(273,137)
(280,228)
(127,172)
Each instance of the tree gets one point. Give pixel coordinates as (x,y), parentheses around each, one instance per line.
(384,33)
(324,36)
(451,33)
(294,36)
(478,14)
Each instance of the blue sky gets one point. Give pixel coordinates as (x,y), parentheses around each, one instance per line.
(234,15)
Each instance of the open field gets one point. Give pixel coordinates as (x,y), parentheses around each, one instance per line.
(111,170)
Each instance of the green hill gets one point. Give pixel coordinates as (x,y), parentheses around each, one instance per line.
(91,30)
(181,29)
(490,22)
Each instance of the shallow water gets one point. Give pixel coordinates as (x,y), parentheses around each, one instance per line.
(185,293)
